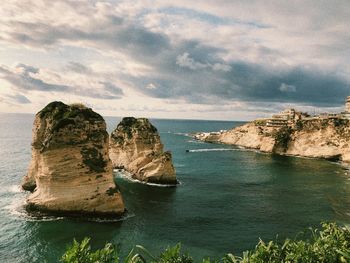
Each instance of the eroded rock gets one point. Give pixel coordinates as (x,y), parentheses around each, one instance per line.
(136,147)
(70,171)
(315,138)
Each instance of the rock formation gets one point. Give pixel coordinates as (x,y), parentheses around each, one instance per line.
(70,171)
(136,147)
(316,138)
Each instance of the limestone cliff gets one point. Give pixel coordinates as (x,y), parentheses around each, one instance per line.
(70,168)
(317,138)
(135,146)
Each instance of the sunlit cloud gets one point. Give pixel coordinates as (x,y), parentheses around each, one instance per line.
(203,55)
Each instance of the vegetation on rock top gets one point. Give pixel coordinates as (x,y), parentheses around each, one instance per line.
(130,125)
(63,115)
(69,125)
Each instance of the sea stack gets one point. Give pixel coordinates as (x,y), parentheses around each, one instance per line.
(136,147)
(70,171)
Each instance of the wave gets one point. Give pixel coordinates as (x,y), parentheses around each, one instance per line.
(212,150)
(14,189)
(17,209)
(196,141)
(110,220)
(126,175)
(181,134)
(177,133)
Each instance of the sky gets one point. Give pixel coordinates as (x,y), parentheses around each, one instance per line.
(225,60)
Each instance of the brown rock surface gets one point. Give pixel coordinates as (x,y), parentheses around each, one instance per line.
(70,168)
(316,138)
(135,146)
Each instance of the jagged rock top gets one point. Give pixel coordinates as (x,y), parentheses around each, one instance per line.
(131,126)
(135,145)
(62,124)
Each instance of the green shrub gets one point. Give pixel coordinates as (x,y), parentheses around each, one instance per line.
(299,125)
(282,137)
(260,122)
(81,253)
(330,245)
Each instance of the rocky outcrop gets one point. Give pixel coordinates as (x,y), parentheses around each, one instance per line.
(136,147)
(70,171)
(316,138)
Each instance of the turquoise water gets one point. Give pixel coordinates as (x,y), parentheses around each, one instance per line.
(226,201)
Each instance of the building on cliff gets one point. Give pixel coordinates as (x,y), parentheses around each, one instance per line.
(346,113)
(347,104)
(285,118)
(289,117)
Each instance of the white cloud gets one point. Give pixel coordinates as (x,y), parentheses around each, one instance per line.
(186,61)
(287,88)
(151,86)
(167,51)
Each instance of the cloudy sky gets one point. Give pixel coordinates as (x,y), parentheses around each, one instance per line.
(221,59)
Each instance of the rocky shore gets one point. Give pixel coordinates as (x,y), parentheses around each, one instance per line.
(317,138)
(135,146)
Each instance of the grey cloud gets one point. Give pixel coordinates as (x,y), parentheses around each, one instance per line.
(19,98)
(249,82)
(217,80)
(78,68)
(28,69)
(24,82)
(116,35)
(113,89)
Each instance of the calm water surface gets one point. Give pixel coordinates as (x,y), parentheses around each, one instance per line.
(227,199)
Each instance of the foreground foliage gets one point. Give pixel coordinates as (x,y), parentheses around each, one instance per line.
(330,244)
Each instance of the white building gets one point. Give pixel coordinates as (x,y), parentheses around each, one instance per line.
(347,104)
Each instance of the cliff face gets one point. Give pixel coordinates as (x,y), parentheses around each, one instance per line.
(317,138)
(135,146)
(70,168)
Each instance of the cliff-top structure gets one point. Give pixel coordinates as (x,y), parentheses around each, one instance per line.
(70,171)
(293,133)
(136,147)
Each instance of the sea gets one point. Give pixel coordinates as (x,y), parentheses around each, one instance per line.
(228,198)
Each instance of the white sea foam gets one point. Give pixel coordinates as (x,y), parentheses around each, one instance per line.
(111,220)
(126,175)
(14,189)
(212,150)
(195,141)
(181,134)
(16,209)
